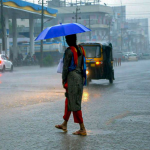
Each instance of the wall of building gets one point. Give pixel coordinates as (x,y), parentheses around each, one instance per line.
(92,16)
(23,22)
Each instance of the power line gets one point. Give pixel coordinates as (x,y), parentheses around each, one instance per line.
(133,14)
(137,14)
(54,5)
(129,4)
(142,11)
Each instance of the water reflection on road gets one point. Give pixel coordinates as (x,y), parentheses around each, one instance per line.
(96,90)
(0,78)
(85,96)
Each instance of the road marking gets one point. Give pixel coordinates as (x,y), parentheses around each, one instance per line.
(117,117)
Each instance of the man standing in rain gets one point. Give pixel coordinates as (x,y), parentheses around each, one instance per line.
(73,78)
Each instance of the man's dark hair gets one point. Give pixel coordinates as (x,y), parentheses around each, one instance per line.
(71,40)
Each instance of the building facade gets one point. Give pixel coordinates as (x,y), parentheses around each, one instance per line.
(92,15)
(129,34)
(138,35)
(118,25)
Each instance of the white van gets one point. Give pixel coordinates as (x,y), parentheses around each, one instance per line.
(132,57)
(5,64)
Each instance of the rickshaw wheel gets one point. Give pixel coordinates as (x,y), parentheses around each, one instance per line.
(88,81)
(111,80)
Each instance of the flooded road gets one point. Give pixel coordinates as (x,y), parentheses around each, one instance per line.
(117,116)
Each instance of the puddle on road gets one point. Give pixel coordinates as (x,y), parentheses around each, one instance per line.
(30,97)
(99,132)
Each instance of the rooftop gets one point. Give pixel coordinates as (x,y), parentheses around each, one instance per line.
(27,7)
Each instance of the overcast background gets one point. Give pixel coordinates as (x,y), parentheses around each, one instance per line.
(134,8)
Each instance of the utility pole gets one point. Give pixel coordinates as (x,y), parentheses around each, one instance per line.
(3,27)
(77,9)
(109,24)
(128,43)
(89,28)
(121,23)
(76,13)
(109,29)
(121,37)
(41,50)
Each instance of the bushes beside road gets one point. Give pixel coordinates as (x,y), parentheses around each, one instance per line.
(48,61)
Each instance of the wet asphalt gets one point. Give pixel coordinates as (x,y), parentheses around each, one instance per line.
(116,116)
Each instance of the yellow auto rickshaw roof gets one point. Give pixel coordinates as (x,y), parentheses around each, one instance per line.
(95,42)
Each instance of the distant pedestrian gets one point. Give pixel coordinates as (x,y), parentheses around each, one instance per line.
(73,79)
(11,56)
(28,56)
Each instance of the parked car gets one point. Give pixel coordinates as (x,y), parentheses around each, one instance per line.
(139,55)
(146,56)
(132,57)
(5,64)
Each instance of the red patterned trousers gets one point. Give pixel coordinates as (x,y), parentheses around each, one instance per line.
(77,115)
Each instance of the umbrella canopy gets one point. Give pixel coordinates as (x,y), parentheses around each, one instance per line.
(61,30)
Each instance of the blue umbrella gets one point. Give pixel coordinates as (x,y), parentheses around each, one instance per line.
(61,30)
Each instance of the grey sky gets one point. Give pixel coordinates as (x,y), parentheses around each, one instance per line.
(134,8)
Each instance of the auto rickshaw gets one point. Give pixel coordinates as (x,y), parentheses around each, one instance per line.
(99,61)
